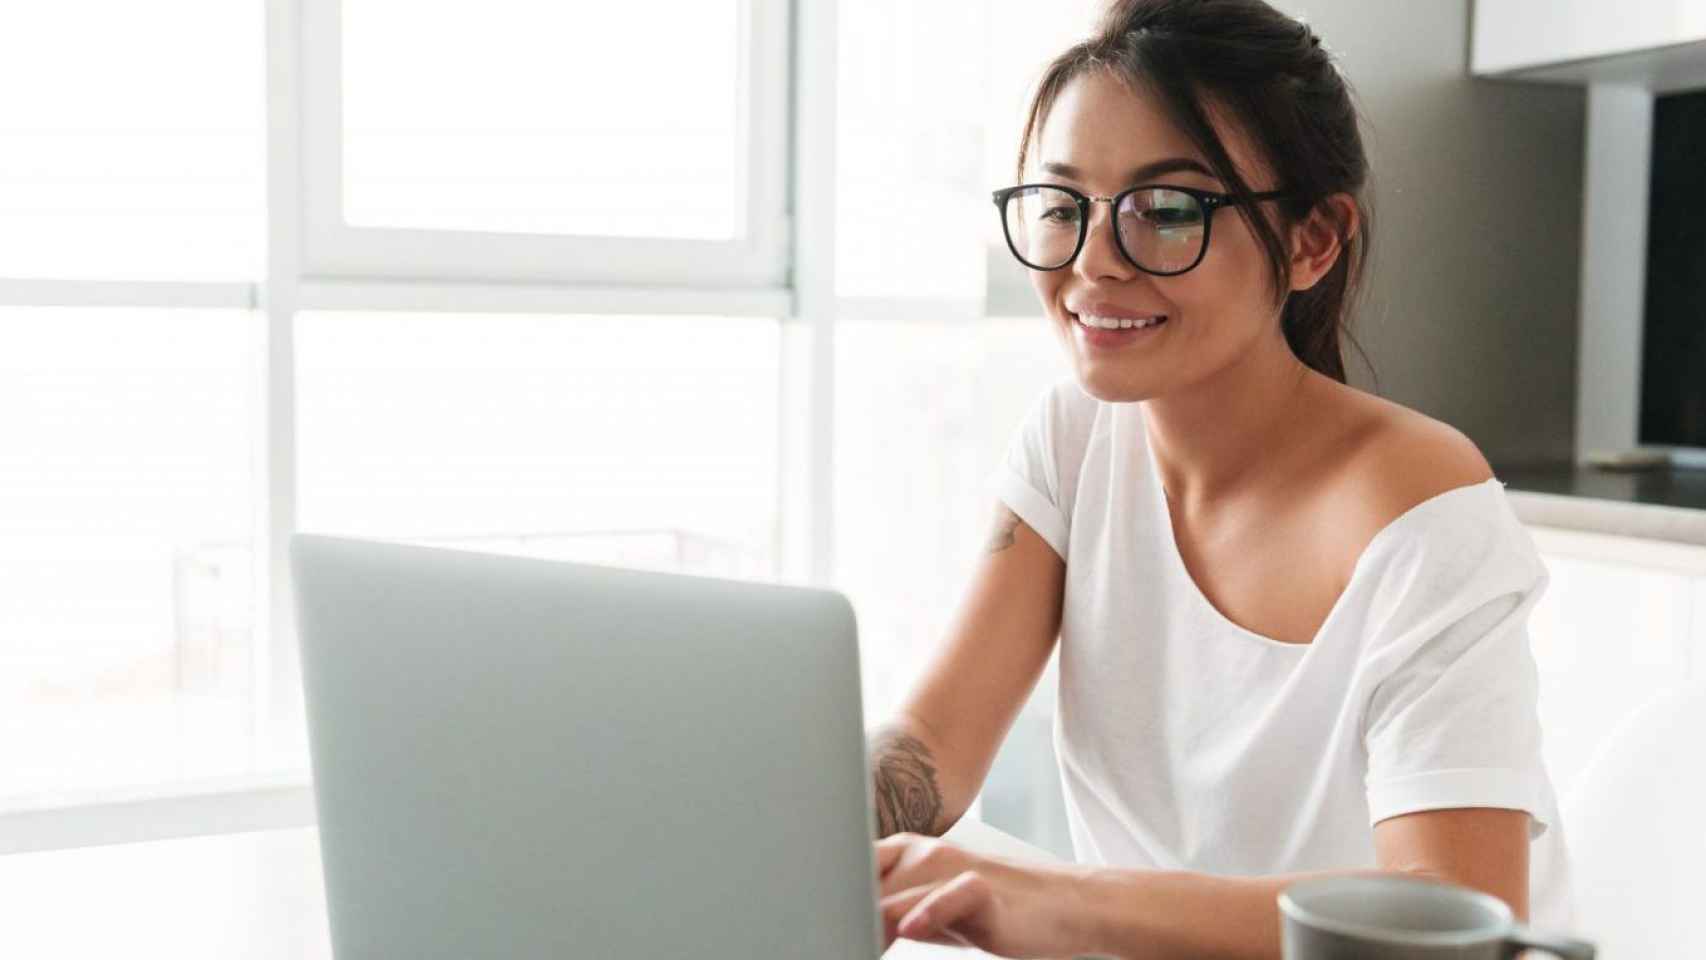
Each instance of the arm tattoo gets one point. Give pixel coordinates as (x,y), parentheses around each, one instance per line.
(905,779)
(1006,521)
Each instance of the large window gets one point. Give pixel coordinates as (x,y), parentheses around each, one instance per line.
(164,436)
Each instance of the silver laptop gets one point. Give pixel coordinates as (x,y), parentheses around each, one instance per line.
(519,758)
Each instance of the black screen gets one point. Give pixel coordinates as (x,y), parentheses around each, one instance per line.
(1673,350)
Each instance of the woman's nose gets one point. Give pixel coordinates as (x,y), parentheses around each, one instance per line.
(1101,257)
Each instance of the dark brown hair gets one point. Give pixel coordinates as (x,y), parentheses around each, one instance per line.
(1269,74)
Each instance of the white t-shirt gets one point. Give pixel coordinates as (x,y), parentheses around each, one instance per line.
(1188,742)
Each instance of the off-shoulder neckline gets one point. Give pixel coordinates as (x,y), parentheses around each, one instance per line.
(1370,550)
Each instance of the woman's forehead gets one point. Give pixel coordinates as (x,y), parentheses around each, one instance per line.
(1104,129)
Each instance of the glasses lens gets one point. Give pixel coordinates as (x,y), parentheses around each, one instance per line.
(1042,225)
(1162,229)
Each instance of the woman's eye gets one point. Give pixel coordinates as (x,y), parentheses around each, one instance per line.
(1062,214)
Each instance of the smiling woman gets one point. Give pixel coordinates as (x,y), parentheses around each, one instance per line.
(1291,615)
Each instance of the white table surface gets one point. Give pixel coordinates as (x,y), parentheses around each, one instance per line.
(245,896)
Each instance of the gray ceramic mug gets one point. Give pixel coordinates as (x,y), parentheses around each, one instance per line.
(1391,917)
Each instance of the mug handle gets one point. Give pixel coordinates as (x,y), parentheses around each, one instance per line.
(1522,938)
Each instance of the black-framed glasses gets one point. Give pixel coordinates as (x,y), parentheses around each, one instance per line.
(1159,229)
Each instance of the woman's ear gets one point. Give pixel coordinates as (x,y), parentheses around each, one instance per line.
(1315,241)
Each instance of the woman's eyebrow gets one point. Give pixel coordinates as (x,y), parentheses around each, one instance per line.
(1156,169)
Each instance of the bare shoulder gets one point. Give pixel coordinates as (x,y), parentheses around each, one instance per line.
(1387,459)
(1400,457)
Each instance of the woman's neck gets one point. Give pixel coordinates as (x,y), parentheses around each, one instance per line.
(1209,438)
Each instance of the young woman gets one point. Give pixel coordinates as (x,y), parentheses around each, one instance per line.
(1292,615)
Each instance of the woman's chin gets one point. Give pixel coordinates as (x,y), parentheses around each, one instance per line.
(1112,386)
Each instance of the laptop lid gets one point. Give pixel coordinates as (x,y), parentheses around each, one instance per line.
(516,757)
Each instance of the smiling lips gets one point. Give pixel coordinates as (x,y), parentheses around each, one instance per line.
(1118,323)
(1107,315)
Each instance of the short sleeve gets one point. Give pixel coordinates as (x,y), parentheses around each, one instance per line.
(1452,720)
(1037,475)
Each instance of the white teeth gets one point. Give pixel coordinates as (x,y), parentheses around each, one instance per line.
(1117,323)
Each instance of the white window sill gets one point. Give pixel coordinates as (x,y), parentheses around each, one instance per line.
(184,809)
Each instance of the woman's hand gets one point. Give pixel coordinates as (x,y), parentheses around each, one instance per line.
(936,892)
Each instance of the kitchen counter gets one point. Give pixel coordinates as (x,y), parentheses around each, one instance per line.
(1662,504)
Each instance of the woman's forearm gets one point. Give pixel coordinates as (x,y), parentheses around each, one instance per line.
(1175,915)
